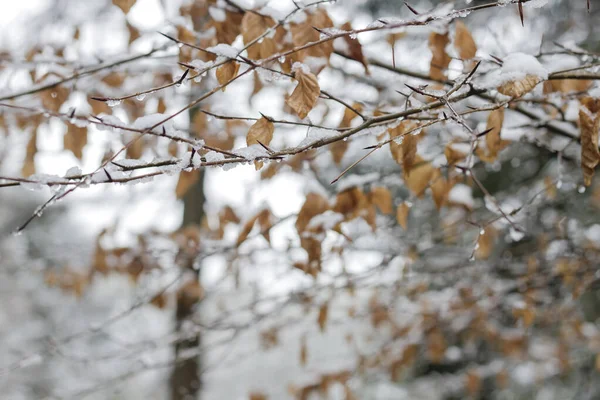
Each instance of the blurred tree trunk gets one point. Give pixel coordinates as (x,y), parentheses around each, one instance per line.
(185,379)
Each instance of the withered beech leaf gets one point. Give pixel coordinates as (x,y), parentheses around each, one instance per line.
(305,95)
(440,59)
(354,47)
(261,131)
(314,204)
(227,72)
(185,182)
(409,152)
(419,177)
(486,243)
(305,32)
(440,189)
(518,88)
(493,141)
(453,156)
(253,26)
(402,215)
(29,163)
(124,5)
(75,140)
(382,198)
(322,318)
(589,121)
(463,41)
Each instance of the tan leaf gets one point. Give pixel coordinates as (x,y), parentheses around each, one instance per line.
(354,47)
(409,153)
(440,59)
(305,32)
(382,198)
(314,205)
(227,72)
(185,182)
(136,149)
(419,177)
(305,95)
(493,141)
(440,188)
(253,26)
(257,396)
(453,156)
(485,243)
(124,5)
(589,122)
(228,29)
(349,115)
(303,351)
(463,41)
(134,33)
(473,383)
(338,150)
(53,98)
(114,79)
(265,223)
(402,215)
(567,85)
(99,107)
(399,131)
(520,87)
(322,319)
(350,202)
(161,107)
(75,140)
(159,301)
(261,131)
(29,163)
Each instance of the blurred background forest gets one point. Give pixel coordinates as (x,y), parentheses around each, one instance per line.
(277,199)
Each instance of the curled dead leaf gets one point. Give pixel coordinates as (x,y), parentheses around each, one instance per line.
(305,95)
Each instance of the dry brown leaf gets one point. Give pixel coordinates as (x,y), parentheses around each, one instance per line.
(409,153)
(303,351)
(136,149)
(453,156)
(305,95)
(159,301)
(261,131)
(399,132)
(257,396)
(246,229)
(485,243)
(350,202)
(29,163)
(354,47)
(440,188)
(228,29)
(134,33)
(114,79)
(265,223)
(185,182)
(463,41)
(402,215)
(305,32)
(440,59)
(53,98)
(382,198)
(420,176)
(75,140)
(124,5)
(589,123)
(493,141)
(161,107)
(521,87)
(253,26)
(322,319)
(314,204)
(227,72)
(338,150)
(567,85)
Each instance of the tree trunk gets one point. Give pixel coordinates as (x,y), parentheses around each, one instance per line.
(185,379)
